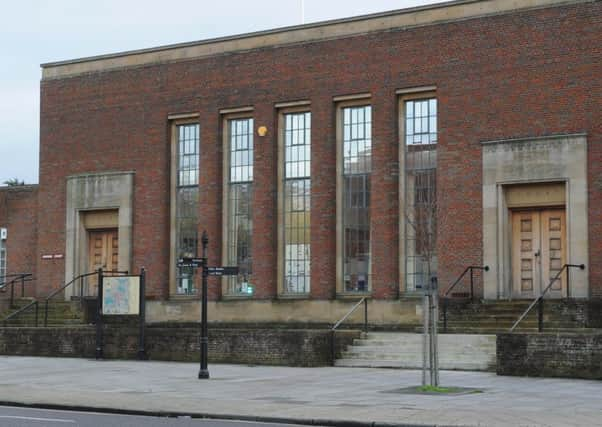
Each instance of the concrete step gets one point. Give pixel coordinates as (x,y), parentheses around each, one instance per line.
(486,331)
(456,365)
(404,350)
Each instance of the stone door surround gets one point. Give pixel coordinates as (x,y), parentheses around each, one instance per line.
(94,192)
(558,159)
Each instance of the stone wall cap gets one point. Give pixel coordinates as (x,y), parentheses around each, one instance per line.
(438,13)
(534,139)
(100,174)
(17,188)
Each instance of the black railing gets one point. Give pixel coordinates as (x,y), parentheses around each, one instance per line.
(62,288)
(364,301)
(22,310)
(444,298)
(539,300)
(35,304)
(15,279)
(81,278)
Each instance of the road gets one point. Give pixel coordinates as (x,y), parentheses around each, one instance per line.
(31,417)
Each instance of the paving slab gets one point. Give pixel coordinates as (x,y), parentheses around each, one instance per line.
(312,395)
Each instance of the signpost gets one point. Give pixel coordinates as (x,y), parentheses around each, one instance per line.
(206,272)
(190,262)
(222,271)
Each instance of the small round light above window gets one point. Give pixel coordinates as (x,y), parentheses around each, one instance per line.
(262,131)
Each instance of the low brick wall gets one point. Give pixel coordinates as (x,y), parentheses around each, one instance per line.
(550,355)
(285,347)
(566,313)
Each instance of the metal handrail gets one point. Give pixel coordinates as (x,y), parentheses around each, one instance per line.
(539,299)
(66,285)
(21,310)
(15,275)
(48,297)
(364,300)
(350,312)
(466,270)
(22,277)
(444,298)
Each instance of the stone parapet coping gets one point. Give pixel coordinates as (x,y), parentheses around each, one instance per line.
(399,19)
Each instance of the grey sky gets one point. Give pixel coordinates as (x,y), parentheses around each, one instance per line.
(33,32)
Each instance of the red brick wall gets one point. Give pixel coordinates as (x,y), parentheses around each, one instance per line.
(526,74)
(18,214)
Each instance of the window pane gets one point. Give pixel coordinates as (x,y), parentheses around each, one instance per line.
(297,217)
(421,121)
(241,150)
(240,228)
(188,154)
(239,223)
(357,142)
(187,203)
(357,165)
(420,193)
(2,261)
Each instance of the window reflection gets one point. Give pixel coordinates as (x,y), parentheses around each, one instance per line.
(420,192)
(297,189)
(187,203)
(357,166)
(240,193)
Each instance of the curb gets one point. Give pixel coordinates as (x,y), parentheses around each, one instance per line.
(229,417)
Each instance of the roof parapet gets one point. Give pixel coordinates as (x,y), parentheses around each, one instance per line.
(403,18)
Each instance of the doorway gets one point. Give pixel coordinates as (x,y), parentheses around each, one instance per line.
(103,252)
(538,252)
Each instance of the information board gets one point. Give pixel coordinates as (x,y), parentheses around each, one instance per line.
(121,295)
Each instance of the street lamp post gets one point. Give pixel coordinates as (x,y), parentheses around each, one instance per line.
(204,340)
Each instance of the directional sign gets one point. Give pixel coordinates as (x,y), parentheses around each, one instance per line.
(190,262)
(222,271)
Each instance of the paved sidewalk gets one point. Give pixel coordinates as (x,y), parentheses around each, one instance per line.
(327,395)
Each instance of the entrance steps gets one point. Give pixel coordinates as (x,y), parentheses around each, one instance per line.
(404,350)
(60,313)
(490,317)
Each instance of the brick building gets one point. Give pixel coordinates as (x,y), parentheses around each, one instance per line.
(323,160)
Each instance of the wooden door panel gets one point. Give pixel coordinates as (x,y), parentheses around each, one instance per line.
(553,248)
(526,241)
(103,252)
(112,251)
(538,251)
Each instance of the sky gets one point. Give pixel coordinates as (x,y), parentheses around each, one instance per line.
(35,32)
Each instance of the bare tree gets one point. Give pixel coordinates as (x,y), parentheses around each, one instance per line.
(421,245)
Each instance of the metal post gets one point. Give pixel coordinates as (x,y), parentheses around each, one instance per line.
(444,315)
(46,313)
(142,316)
(36,314)
(471,284)
(204,340)
(568,283)
(365,315)
(12,294)
(540,315)
(23,286)
(81,291)
(425,317)
(333,354)
(99,345)
(435,297)
(431,343)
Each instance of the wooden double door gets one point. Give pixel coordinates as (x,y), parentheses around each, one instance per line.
(538,252)
(103,252)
